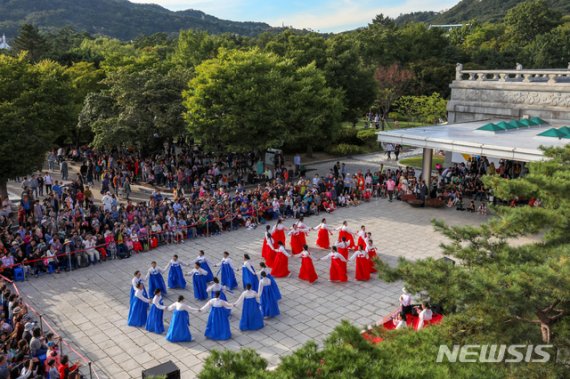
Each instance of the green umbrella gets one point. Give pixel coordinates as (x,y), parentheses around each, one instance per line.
(565,130)
(491,128)
(537,121)
(503,125)
(513,124)
(553,132)
(525,122)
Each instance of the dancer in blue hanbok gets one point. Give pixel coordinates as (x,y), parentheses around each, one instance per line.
(269,304)
(139,308)
(205,265)
(227,271)
(217,287)
(179,329)
(248,275)
(137,278)
(274,286)
(155,320)
(155,279)
(199,284)
(251,315)
(175,274)
(218,327)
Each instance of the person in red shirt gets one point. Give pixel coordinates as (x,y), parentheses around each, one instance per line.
(66,371)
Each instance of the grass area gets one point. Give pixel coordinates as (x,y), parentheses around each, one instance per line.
(416,162)
(389,126)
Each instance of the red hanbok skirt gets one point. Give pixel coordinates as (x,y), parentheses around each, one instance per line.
(137,246)
(303,239)
(267,253)
(278,235)
(153,243)
(362,269)
(307,271)
(323,240)
(343,251)
(361,243)
(372,256)
(296,243)
(348,236)
(338,270)
(280,268)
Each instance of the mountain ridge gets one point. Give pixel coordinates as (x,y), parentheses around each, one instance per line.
(116,18)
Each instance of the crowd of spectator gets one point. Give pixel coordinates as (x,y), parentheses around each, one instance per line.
(25,350)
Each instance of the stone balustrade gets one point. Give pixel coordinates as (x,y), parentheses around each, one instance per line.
(520,75)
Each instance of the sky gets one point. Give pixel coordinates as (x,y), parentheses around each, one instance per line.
(319,15)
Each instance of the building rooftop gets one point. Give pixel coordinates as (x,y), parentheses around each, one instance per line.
(478,138)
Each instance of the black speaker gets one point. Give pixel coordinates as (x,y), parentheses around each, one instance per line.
(167,369)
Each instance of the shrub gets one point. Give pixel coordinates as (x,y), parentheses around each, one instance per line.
(347,136)
(367,135)
(345,149)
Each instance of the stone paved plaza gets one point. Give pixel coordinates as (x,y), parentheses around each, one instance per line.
(90,306)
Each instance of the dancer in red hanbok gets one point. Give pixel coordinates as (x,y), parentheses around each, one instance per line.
(362,272)
(267,251)
(338,266)
(343,231)
(323,240)
(278,233)
(371,250)
(362,237)
(304,229)
(296,241)
(280,267)
(307,271)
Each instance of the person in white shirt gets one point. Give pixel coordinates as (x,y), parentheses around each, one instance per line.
(426,314)
(251,314)
(400,321)
(227,270)
(89,244)
(406,302)
(218,326)
(155,279)
(179,329)
(154,321)
(269,303)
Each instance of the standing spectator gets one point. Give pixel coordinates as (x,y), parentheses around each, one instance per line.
(390,186)
(64,168)
(297,163)
(397,149)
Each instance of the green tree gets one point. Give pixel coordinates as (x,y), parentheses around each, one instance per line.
(251,99)
(34,103)
(428,109)
(84,78)
(550,50)
(529,282)
(141,108)
(32,41)
(528,20)
(346,72)
(245,364)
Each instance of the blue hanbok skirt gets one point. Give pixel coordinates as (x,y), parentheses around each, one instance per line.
(218,327)
(251,315)
(228,276)
(199,284)
(156,281)
(154,322)
(210,276)
(269,305)
(274,287)
(249,278)
(179,329)
(176,278)
(137,313)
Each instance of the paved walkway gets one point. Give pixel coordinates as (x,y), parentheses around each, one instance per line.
(90,306)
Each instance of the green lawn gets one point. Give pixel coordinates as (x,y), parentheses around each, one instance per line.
(390,125)
(416,162)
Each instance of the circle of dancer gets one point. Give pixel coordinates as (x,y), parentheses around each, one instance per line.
(260,296)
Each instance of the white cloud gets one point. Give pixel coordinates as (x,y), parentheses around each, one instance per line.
(348,13)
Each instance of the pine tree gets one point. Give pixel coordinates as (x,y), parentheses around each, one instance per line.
(31,40)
